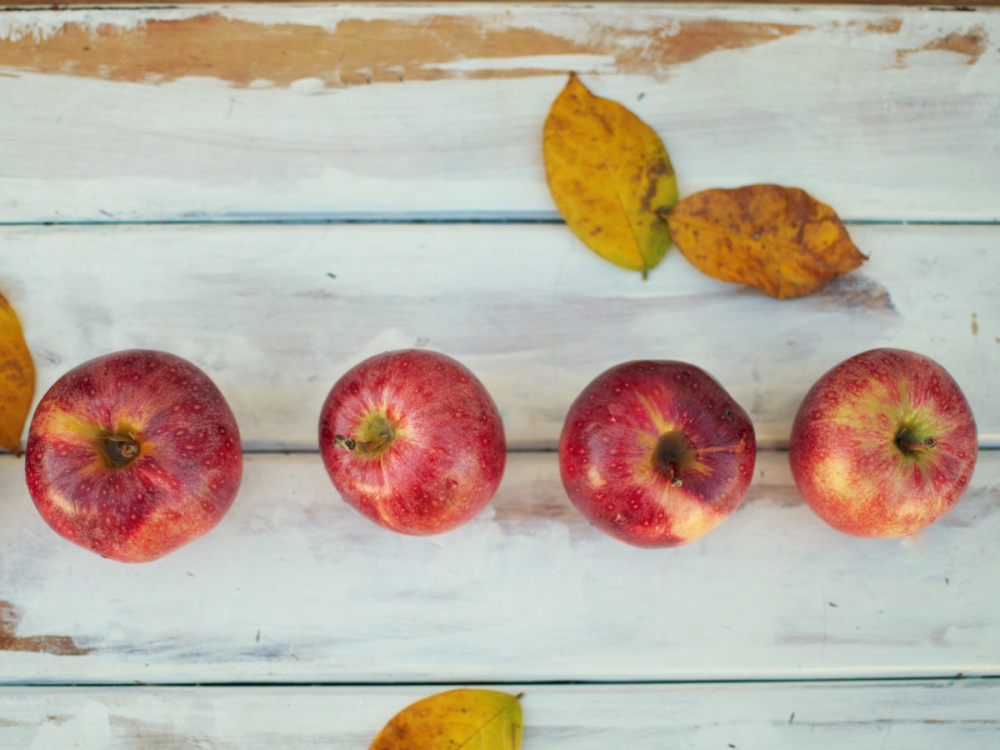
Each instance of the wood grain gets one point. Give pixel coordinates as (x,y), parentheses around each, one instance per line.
(528,309)
(435,111)
(821,716)
(295,586)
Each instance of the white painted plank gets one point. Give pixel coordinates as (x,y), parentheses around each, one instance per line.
(879,716)
(296,586)
(884,113)
(532,312)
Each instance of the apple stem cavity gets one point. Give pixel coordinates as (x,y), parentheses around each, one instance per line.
(671,455)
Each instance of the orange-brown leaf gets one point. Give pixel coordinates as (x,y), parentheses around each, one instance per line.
(780,240)
(456,719)
(610,177)
(17,379)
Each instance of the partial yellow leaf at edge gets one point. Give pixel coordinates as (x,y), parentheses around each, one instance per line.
(469,719)
(17,379)
(610,176)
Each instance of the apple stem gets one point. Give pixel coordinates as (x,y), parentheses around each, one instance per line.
(122,447)
(906,442)
(344,442)
(674,472)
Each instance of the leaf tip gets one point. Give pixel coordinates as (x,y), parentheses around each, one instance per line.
(10,444)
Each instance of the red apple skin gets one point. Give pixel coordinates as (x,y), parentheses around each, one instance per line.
(447,452)
(179,485)
(608,453)
(843,448)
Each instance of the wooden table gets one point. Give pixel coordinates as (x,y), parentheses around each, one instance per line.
(276,192)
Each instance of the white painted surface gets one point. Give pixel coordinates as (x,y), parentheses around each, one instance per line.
(530,310)
(878,125)
(294,585)
(875,716)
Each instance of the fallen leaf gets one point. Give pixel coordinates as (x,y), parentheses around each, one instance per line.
(17,379)
(780,240)
(467,719)
(610,177)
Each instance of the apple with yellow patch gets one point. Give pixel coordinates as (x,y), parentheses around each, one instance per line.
(884,444)
(656,453)
(133,454)
(413,441)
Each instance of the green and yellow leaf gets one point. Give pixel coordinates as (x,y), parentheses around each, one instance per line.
(17,379)
(610,177)
(780,240)
(465,718)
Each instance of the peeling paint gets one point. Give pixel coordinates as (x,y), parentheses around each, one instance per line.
(972,44)
(10,618)
(363,51)
(886,25)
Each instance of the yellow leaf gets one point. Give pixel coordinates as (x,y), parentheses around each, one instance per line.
(610,177)
(780,240)
(17,379)
(466,719)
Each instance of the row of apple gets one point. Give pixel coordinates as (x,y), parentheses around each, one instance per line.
(133,454)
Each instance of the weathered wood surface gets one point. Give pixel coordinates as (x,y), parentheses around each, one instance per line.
(530,310)
(294,585)
(313,112)
(305,112)
(876,716)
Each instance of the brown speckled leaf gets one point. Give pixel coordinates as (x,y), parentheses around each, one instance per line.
(466,719)
(780,240)
(17,379)
(610,177)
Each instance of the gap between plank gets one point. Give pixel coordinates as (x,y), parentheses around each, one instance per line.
(418,219)
(500,683)
(964,7)
(519,450)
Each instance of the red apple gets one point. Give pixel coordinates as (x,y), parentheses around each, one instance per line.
(413,440)
(133,454)
(884,444)
(656,454)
